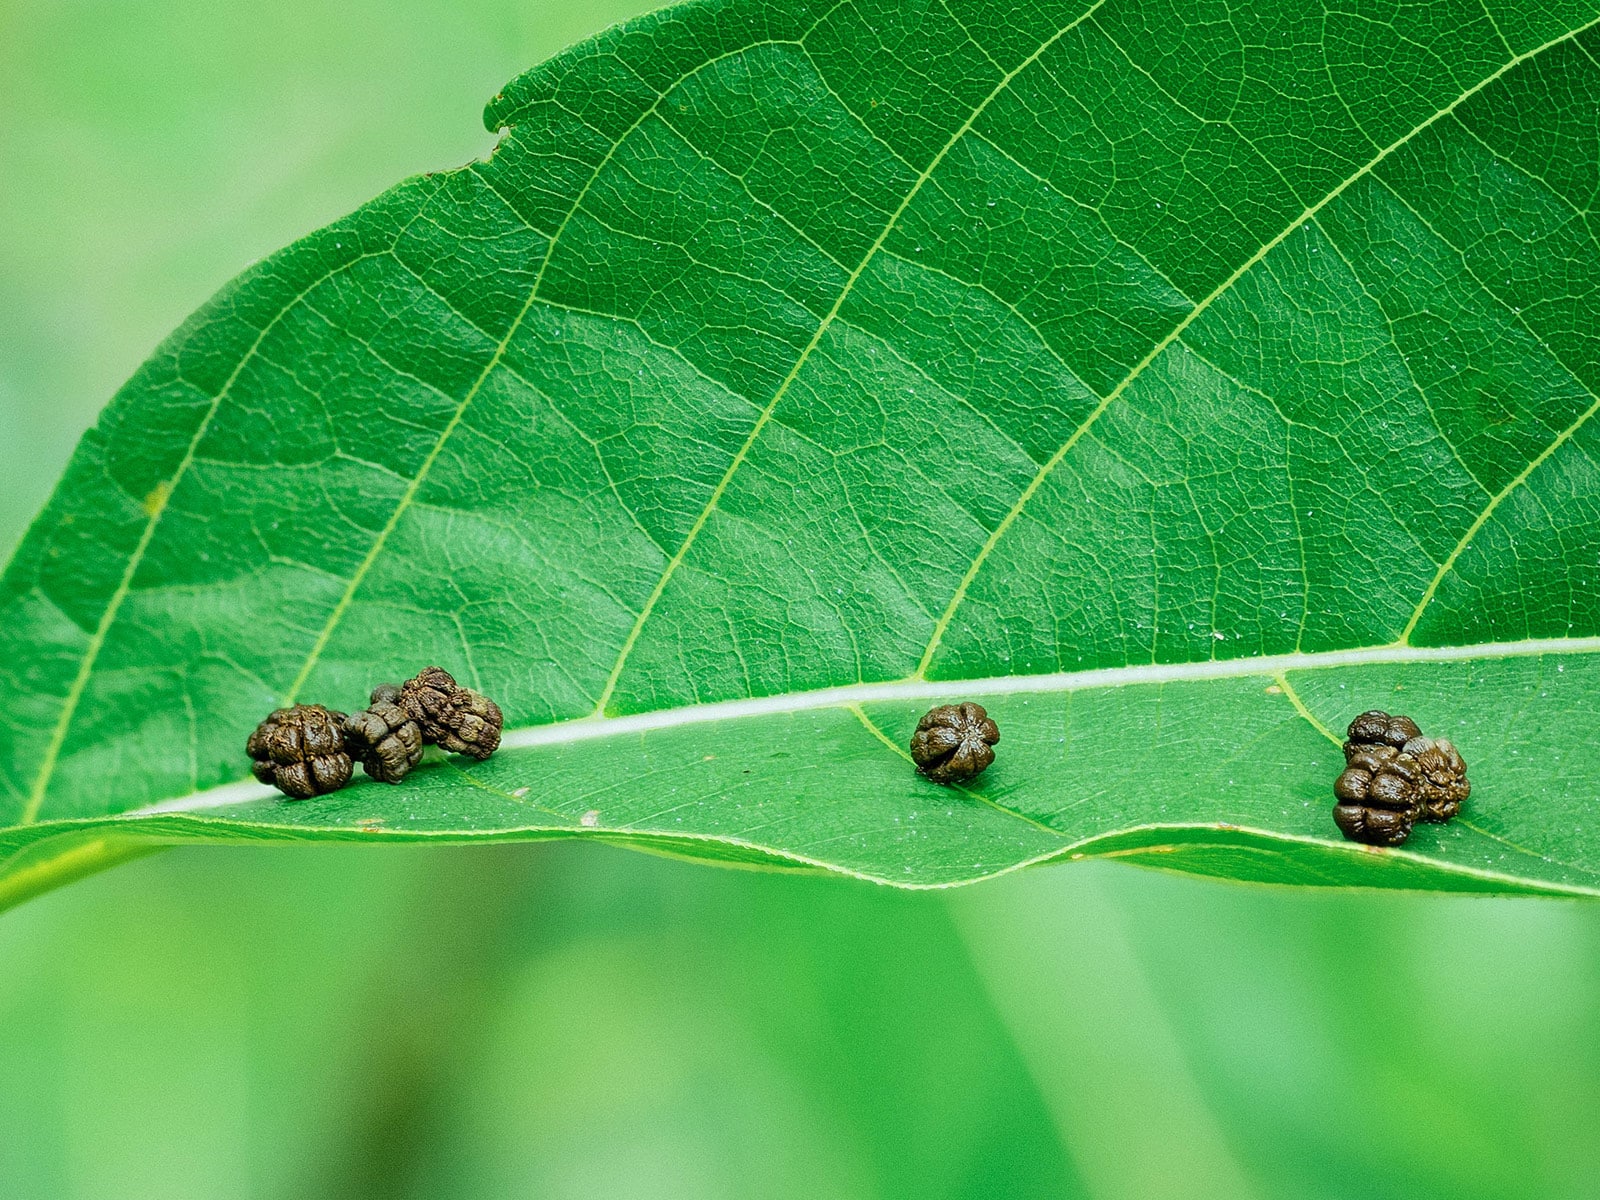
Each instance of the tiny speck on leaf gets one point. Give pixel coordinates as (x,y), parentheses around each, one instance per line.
(157,499)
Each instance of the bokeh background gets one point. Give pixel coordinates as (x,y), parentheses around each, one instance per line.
(576,1021)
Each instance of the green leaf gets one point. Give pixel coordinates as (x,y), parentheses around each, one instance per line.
(1178,383)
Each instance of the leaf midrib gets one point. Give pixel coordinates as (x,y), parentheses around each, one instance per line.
(203,808)
(590,728)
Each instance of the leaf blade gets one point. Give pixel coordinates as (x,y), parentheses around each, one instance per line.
(660,480)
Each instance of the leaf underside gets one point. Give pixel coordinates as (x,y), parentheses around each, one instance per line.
(1176,381)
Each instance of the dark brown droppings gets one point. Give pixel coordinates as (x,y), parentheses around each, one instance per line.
(384,737)
(300,751)
(1395,777)
(452,717)
(953,742)
(1441,777)
(1378,728)
(1374,826)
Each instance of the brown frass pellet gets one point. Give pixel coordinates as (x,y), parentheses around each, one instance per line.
(954,742)
(384,737)
(452,717)
(300,751)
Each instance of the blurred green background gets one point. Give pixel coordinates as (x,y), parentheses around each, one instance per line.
(573,1021)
